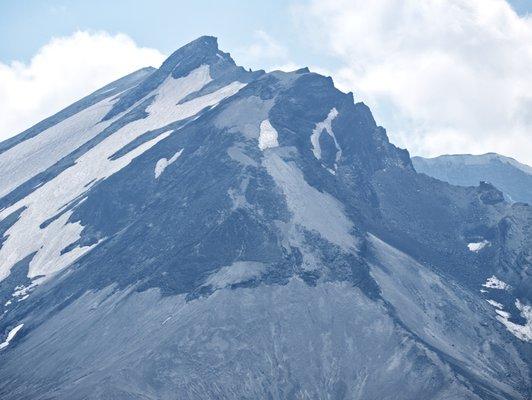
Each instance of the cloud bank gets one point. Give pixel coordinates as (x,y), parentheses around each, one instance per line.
(265,52)
(444,76)
(63,71)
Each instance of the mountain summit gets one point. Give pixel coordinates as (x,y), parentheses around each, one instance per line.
(203,231)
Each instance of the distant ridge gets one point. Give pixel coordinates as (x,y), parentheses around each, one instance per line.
(507,174)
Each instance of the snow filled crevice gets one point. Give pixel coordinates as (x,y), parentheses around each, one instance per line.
(267,136)
(162,163)
(10,336)
(325,125)
(27,236)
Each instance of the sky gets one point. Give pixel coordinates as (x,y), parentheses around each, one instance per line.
(442,76)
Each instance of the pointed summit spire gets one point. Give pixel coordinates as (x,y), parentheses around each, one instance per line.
(202,51)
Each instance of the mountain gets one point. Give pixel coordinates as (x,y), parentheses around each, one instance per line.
(205,231)
(505,173)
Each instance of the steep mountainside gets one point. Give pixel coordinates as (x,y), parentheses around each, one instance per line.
(203,231)
(511,177)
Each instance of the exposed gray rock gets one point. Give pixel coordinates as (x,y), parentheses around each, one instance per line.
(254,266)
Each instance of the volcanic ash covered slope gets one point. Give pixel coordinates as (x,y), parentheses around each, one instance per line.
(204,231)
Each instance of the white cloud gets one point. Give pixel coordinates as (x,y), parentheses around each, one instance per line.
(63,71)
(268,53)
(266,47)
(444,76)
(264,52)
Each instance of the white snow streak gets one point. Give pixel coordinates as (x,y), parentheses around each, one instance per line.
(267,136)
(10,336)
(23,292)
(495,304)
(325,125)
(26,237)
(161,164)
(32,156)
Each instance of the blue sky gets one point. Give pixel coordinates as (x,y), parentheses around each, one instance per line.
(161,24)
(442,76)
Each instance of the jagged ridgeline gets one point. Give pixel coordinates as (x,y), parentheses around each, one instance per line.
(201,231)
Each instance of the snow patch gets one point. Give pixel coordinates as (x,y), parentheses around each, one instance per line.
(34,155)
(325,125)
(239,271)
(495,283)
(503,314)
(22,292)
(495,304)
(267,136)
(26,236)
(10,336)
(477,246)
(522,332)
(163,163)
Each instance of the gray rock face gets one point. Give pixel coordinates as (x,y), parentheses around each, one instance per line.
(510,176)
(220,233)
